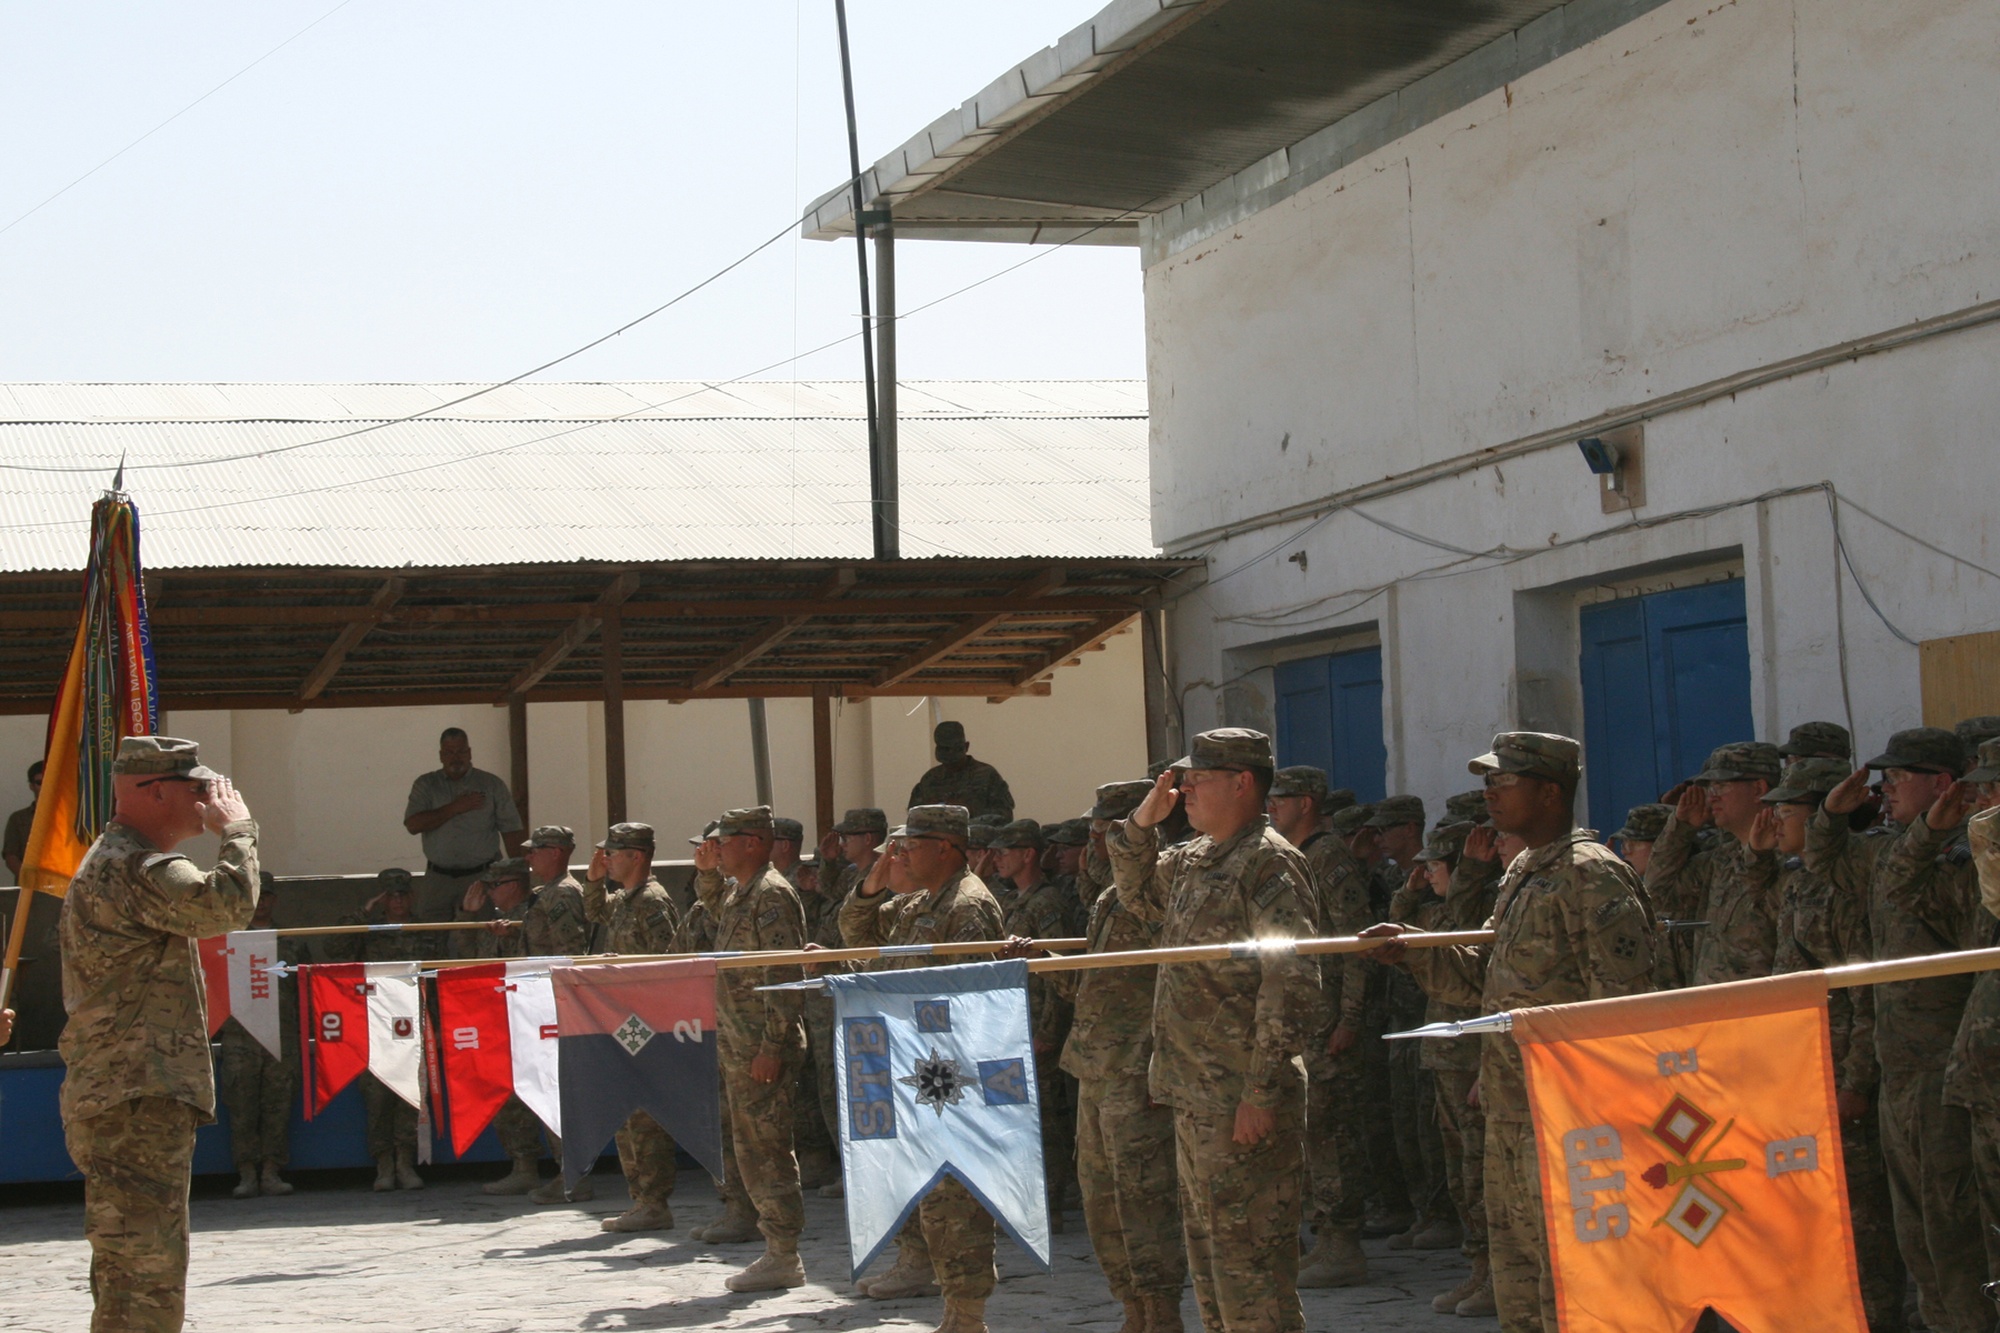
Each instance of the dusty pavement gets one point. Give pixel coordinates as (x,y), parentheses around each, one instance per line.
(335,1255)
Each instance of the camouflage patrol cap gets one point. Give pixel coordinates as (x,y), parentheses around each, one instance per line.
(1157,767)
(755,819)
(1049,832)
(1645,823)
(1117,800)
(787,830)
(1818,740)
(707,832)
(505,869)
(1228,747)
(1353,817)
(1740,761)
(1538,754)
(863,819)
(1976,731)
(1340,798)
(1988,767)
(552,835)
(628,838)
(1807,782)
(978,835)
(1072,833)
(936,821)
(1446,841)
(1300,780)
(1468,807)
(395,880)
(1925,749)
(1397,810)
(1020,833)
(160,757)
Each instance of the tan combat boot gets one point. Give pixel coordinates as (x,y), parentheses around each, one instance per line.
(1337,1261)
(776,1268)
(641,1217)
(272,1183)
(385,1173)
(1163,1314)
(963,1314)
(522,1179)
(736,1226)
(1479,1305)
(406,1170)
(900,1281)
(1135,1315)
(1446,1302)
(246,1187)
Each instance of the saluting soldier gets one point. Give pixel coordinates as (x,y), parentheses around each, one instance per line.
(859,832)
(1731,885)
(138,1080)
(637,916)
(922,893)
(763,1039)
(1228,1036)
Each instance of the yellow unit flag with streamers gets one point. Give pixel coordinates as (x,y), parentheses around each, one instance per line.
(1690,1158)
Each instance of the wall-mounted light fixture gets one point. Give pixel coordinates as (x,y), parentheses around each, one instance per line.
(1618,459)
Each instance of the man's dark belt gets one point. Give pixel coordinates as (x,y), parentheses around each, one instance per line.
(451,872)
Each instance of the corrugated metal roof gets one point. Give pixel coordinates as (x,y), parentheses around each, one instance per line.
(559,473)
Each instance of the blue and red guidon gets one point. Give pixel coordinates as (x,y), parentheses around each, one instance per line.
(638,1037)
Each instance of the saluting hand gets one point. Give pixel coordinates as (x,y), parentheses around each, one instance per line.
(599,863)
(222,806)
(1764,830)
(1483,843)
(1160,801)
(475,896)
(1849,795)
(1692,807)
(1951,809)
(707,857)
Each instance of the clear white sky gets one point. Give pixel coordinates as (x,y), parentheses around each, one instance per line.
(443,189)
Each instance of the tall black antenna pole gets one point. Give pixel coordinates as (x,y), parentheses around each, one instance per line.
(886,545)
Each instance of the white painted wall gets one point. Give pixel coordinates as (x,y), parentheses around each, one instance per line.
(328,785)
(1705,191)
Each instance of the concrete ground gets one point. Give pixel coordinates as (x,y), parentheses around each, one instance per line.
(335,1255)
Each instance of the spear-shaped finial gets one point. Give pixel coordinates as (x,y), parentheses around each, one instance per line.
(118,479)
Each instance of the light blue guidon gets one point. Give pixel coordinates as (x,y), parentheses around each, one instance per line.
(937,1078)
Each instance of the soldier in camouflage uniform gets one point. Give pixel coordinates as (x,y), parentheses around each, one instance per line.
(1635,837)
(936,900)
(859,832)
(256,1085)
(1040,911)
(392,1122)
(979,854)
(1340,1169)
(552,925)
(1916,883)
(762,1040)
(1731,885)
(1124,1139)
(637,916)
(138,1079)
(547,852)
(1460,877)
(959,779)
(1818,928)
(1228,1036)
(1972,1079)
(1817,740)
(1570,922)
(1071,844)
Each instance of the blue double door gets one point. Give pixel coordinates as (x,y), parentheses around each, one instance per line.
(1330,716)
(1666,679)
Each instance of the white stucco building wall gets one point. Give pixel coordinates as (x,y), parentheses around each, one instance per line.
(1705,191)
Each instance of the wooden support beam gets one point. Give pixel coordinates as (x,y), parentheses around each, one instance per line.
(344,643)
(767,638)
(964,632)
(572,638)
(1084,640)
(822,765)
(517,753)
(614,720)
